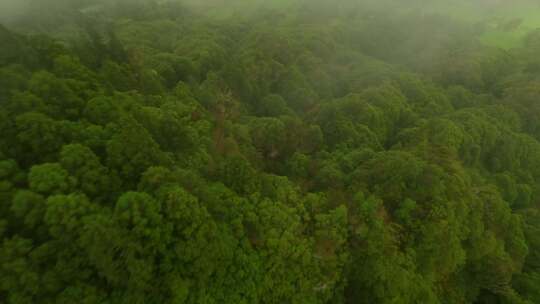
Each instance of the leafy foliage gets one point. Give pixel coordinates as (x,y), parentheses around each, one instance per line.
(309,153)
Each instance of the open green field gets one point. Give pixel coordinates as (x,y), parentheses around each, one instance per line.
(494,15)
(509,39)
(491,16)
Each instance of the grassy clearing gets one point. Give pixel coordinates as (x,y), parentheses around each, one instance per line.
(494,13)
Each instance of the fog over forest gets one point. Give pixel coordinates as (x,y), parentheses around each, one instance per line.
(272,152)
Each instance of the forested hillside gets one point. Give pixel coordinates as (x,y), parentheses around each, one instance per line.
(280,152)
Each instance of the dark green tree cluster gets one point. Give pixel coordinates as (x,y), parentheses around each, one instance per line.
(314,154)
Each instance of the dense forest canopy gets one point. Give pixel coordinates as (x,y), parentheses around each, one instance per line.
(168,151)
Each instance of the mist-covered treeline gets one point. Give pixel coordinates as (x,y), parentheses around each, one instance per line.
(269,152)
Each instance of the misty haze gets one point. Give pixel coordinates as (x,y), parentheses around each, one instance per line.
(270,152)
